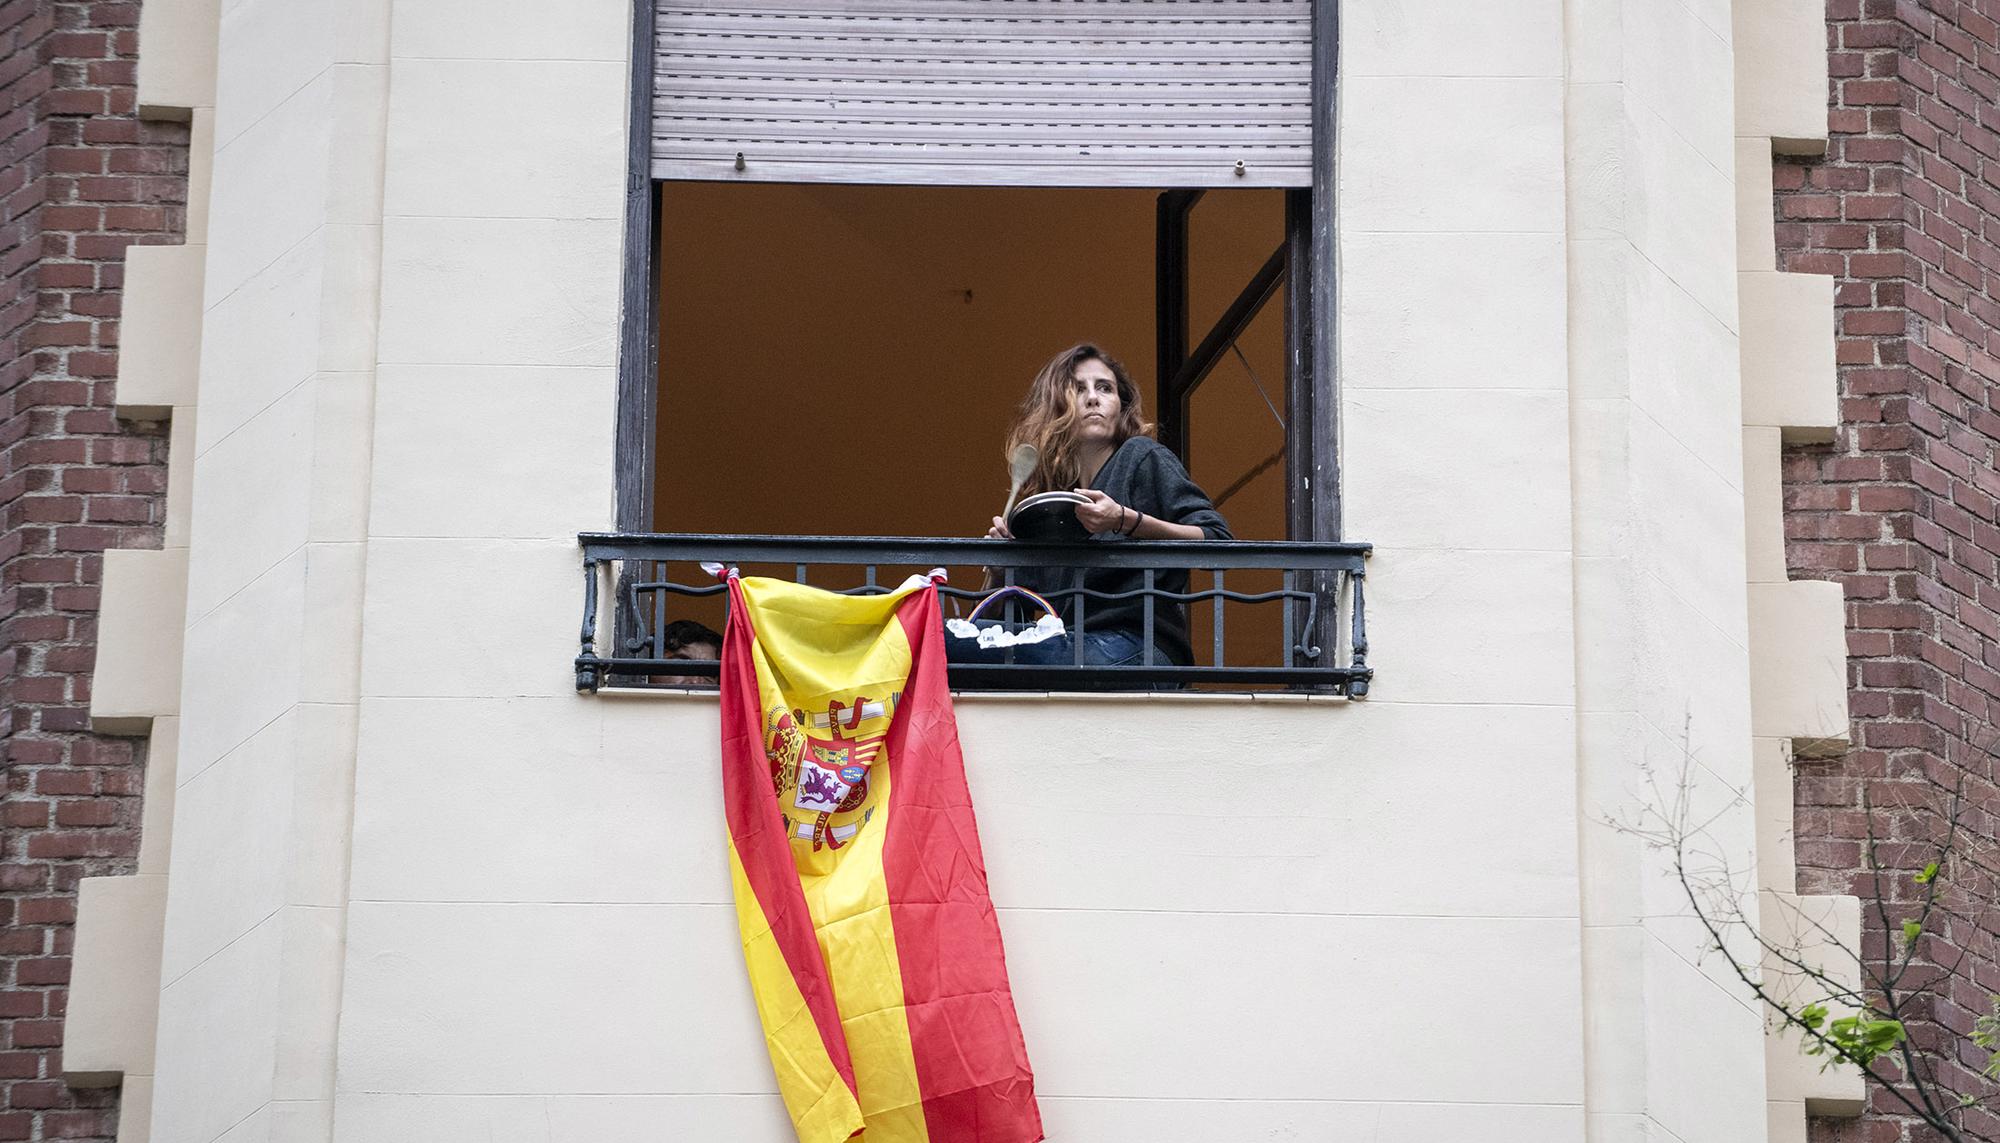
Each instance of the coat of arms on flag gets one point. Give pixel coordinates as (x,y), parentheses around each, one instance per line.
(871,942)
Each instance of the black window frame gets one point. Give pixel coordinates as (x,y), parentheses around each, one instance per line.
(1312,461)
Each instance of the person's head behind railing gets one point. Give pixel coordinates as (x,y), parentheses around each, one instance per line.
(687,639)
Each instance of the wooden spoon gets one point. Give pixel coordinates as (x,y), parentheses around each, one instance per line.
(1020,466)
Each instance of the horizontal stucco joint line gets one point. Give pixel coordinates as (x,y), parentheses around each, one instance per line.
(396,59)
(1461,918)
(1435,232)
(678,694)
(465,217)
(1039,1095)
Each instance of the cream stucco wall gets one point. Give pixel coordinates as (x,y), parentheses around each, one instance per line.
(421,889)
(1674,1047)
(539,921)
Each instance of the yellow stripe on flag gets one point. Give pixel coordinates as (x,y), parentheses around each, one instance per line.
(815,1095)
(850,911)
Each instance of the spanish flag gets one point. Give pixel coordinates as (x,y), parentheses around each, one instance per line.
(870,939)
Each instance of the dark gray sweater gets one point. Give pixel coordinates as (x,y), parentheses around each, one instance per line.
(1143,474)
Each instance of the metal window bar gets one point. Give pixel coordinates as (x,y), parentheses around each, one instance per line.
(639,569)
(1215,619)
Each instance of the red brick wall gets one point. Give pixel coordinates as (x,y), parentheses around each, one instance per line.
(1904,211)
(80,179)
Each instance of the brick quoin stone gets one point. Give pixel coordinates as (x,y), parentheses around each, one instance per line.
(81,179)
(1903,509)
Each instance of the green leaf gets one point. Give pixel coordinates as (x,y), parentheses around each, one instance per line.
(1930,871)
(1912,929)
(1859,1039)
(1986,1034)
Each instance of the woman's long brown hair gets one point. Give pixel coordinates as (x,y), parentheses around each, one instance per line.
(1048,418)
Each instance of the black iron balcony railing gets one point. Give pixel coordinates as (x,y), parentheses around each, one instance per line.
(1296,620)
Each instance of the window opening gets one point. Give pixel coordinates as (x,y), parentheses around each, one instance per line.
(728,119)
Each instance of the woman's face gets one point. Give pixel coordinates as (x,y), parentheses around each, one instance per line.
(1097,403)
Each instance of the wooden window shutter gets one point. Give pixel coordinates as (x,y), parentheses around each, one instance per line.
(1160,93)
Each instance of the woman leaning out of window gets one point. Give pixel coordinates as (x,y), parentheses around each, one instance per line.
(1083,416)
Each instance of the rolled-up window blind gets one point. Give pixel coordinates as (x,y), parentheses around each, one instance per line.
(1170,93)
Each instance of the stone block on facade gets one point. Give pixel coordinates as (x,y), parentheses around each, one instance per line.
(1702,1047)
(1756,236)
(440,274)
(180,478)
(260,341)
(114,980)
(257,214)
(1763,505)
(1405,141)
(1393,285)
(1494,38)
(1682,75)
(514,30)
(1788,354)
(1781,73)
(252,493)
(1494,481)
(138,673)
(266,51)
(232,827)
(1777,868)
(501,139)
(1677,205)
(160,330)
(177,47)
(226,704)
(135,1109)
(1788,1121)
(1821,931)
(1473,626)
(1798,662)
(156,828)
(218,1043)
(434,428)
(201,173)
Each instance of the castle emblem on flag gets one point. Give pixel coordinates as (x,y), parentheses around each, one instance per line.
(825,777)
(820,789)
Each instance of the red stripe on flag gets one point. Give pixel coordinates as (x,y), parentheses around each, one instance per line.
(972,1066)
(757,827)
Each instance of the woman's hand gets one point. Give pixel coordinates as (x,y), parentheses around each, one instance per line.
(1103,514)
(999,530)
